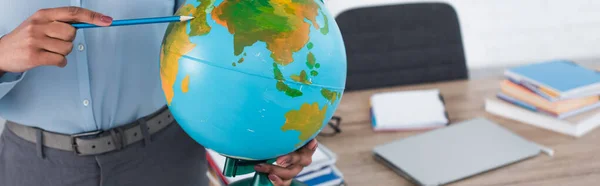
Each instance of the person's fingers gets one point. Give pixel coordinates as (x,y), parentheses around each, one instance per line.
(277,181)
(60,30)
(305,159)
(302,156)
(310,147)
(298,158)
(284,160)
(283,173)
(75,14)
(56,45)
(51,59)
(294,159)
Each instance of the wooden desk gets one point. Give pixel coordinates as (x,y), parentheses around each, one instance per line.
(575,162)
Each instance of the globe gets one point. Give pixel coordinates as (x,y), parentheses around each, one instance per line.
(253,79)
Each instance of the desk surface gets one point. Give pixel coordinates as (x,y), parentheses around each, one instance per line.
(576,160)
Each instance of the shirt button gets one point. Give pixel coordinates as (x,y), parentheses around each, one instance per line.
(80,47)
(86,102)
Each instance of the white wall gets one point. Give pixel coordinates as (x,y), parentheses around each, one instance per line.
(508,32)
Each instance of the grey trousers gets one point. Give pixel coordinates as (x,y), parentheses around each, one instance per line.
(171,159)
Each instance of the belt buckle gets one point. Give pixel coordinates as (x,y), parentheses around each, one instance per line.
(85,134)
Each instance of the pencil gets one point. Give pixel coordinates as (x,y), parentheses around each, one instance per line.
(124,22)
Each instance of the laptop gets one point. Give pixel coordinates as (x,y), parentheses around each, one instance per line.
(456,152)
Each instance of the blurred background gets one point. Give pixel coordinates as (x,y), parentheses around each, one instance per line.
(499,33)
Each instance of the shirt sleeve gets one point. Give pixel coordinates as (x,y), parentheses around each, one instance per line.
(9,79)
(178,3)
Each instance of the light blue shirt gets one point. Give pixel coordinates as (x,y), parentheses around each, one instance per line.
(112,75)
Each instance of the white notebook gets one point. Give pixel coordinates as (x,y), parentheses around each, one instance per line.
(408,110)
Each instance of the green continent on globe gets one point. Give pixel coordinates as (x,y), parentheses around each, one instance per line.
(281,86)
(310,60)
(199,25)
(279,23)
(302,78)
(325,29)
(314,73)
(332,96)
(307,120)
(175,44)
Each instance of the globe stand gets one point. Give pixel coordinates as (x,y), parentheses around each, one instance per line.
(234,167)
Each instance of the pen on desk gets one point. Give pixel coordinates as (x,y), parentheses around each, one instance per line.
(124,22)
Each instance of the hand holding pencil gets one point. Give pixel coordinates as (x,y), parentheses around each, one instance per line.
(46,37)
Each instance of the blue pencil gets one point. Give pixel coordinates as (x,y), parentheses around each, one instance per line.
(124,22)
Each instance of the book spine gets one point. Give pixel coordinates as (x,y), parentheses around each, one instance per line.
(524,105)
(510,111)
(535,89)
(217,169)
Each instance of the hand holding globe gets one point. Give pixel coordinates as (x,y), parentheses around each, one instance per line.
(288,166)
(253,80)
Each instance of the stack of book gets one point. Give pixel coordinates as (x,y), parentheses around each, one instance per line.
(561,96)
(321,172)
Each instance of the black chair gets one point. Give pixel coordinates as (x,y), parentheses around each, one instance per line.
(402,44)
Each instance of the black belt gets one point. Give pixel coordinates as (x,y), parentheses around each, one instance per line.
(96,142)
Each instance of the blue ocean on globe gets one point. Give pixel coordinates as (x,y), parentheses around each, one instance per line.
(253,80)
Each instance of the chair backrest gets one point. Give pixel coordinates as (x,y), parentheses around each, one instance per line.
(402,44)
